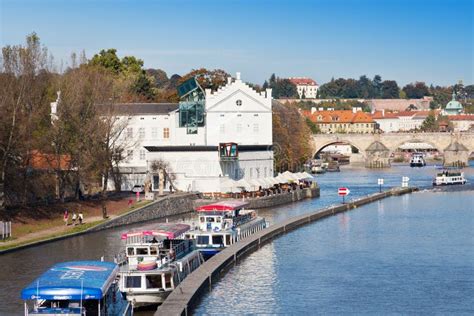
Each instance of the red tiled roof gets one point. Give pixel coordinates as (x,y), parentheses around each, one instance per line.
(393,115)
(341,116)
(461,117)
(303,81)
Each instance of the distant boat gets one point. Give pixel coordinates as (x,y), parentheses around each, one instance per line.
(449,177)
(417,160)
(333,166)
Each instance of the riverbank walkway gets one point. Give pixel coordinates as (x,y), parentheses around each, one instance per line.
(188,293)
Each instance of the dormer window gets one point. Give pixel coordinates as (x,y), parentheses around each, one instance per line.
(238,102)
(335,118)
(320,118)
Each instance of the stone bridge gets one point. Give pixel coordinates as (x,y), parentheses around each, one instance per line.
(375,149)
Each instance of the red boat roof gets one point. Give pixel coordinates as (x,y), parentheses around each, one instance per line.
(169,231)
(223,206)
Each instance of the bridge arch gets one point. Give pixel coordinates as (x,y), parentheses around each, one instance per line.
(319,149)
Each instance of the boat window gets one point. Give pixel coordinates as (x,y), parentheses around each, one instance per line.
(217,240)
(142,251)
(153,251)
(202,219)
(154,281)
(168,281)
(203,240)
(131,251)
(227,240)
(218,219)
(210,219)
(133,281)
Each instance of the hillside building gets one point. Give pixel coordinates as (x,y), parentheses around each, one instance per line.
(342,121)
(307,88)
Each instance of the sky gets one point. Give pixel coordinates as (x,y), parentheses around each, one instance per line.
(402,40)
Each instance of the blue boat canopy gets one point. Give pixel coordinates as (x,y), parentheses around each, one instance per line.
(73,280)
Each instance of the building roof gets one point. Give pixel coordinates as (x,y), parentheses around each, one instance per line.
(142,108)
(462,117)
(378,115)
(455,146)
(303,81)
(340,116)
(377,146)
(453,104)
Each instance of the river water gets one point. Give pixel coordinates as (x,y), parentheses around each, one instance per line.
(409,254)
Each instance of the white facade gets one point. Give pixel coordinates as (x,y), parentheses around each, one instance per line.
(235,113)
(306,87)
(343,149)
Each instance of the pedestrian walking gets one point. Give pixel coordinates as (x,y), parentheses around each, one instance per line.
(81,218)
(66,217)
(74,218)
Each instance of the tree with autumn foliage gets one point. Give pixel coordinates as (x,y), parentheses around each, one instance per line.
(292,138)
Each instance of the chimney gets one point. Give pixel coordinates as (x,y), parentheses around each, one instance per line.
(313,109)
(269,93)
(383,112)
(354,110)
(237,76)
(321,109)
(229,80)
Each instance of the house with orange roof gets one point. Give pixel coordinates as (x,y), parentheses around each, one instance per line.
(400,121)
(307,88)
(342,121)
(462,122)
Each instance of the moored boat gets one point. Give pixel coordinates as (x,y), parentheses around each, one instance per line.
(155,261)
(449,177)
(223,224)
(77,288)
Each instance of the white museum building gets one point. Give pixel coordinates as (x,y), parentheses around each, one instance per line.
(206,139)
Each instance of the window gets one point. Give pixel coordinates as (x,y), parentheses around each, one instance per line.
(320,118)
(239,128)
(142,118)
(131,251)
(217,240)
(141,132)
(154,281)
(129,132)
(154,132)
(166,132)
(142,154)
(142,251)
(168,281)
(255,128)
(202,240)
(238,102)
(133,281)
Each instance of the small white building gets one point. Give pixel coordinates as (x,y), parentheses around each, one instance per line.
(226,134)
(462,122)
(402,121)
(307,88)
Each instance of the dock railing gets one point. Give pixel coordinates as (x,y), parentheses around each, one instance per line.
(5,230)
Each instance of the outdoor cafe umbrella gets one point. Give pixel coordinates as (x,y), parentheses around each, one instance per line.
(229,185)
(255,184)
(281,179)
(242,183)
(289,176)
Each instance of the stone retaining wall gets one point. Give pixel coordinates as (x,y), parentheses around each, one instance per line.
(167,206)
(187,295)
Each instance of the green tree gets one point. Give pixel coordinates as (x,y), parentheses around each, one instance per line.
(390,89)
(430,124)
(416,90)
(313,126)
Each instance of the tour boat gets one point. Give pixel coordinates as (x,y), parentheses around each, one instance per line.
(155,261)
(77,288)
(449,177)
(333,166)
(223,224)
(417,160)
